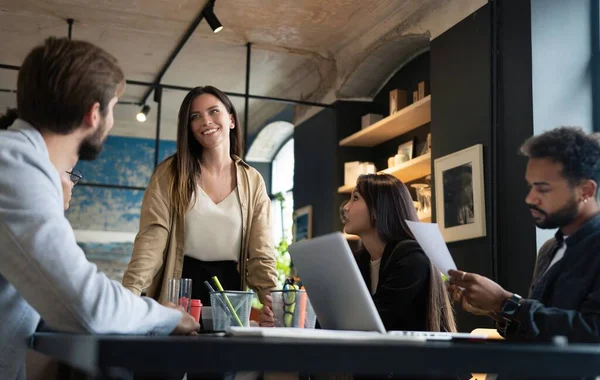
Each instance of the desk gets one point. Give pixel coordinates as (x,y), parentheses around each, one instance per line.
(110,355)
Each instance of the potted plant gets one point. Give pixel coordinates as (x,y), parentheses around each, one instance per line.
(283,263)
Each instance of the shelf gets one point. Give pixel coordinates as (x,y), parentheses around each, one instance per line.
(405,120)
(410,170)
(346,189)
(350,237)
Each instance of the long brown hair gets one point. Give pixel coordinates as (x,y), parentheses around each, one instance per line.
(185,167)
(390,205)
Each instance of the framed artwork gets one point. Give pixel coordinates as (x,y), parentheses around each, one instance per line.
(405,152)
(302,224)
(459,194)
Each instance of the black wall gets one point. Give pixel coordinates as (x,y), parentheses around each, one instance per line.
(516,230)
(315,172)
(348,121)
(460,114)
(467,83)
(319,161)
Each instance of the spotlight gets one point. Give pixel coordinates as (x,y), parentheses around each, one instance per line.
(141,116)
(213,21)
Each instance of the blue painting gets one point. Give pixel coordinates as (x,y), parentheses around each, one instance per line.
(125,161)
(103,209)
(100,211)
(110,258)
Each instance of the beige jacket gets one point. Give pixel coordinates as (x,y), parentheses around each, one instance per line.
(158,248)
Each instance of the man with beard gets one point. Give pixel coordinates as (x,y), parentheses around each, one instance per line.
(66,92)
(563,173)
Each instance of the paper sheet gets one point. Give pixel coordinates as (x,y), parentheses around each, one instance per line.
(430,238)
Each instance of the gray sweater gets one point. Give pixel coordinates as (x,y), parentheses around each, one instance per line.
(43,272)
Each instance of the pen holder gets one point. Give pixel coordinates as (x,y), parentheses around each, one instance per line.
(292,308)
(224,313)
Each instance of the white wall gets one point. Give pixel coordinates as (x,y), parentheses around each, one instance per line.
(561,68)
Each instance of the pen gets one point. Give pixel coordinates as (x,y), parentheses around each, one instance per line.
(219,300)
(218,285)
(210,288)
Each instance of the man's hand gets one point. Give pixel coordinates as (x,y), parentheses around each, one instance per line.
(187,325)
(267,318)
(478,293)
(456,294)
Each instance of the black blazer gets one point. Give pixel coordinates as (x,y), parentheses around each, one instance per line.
(403,286)
(565,300)
(402,292)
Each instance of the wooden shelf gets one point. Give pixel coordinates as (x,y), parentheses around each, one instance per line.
(409,171)
(403,121)
(346,189)
(350,237)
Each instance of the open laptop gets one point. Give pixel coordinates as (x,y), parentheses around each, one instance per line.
(338,292)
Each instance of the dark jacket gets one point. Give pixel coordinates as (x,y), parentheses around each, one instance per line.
(566,299)
(402,292)
(403,287)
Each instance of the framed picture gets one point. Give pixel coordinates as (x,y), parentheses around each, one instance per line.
(459,194)
(302,224)
(405,152)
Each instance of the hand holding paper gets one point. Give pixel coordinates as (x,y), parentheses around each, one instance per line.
(430,238)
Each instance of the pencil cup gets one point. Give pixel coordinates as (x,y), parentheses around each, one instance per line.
(230,308)
(292,308)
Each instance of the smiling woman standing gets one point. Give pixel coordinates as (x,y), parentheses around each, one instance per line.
(205,212)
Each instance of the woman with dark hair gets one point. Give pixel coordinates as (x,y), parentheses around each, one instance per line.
(205,212)
(408,291)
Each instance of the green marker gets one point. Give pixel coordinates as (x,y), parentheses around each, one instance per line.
(220,289)
(289,308)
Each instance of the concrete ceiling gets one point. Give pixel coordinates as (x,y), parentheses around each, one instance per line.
(305,50)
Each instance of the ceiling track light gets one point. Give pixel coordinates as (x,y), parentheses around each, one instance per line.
(211,18)
(142,115)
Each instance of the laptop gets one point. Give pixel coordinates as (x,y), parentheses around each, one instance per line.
(338,293)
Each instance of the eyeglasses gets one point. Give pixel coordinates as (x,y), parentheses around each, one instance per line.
(75,176)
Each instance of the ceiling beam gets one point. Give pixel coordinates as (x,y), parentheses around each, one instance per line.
(9,67)
(184,39)
(183,88)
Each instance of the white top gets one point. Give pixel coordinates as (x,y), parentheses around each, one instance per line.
(557,256)
(375,265)
(213,232)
